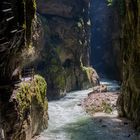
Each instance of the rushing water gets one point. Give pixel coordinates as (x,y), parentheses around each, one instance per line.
(68,121)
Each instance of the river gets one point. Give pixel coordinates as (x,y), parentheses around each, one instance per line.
(68,121)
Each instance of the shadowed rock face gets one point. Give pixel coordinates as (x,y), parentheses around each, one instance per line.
(11,40)
(105,39)
(18,33)
(129,103)
(15,35)
(67,41)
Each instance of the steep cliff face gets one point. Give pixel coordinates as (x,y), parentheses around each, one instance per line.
(129,101)
(67,45)
(20,101)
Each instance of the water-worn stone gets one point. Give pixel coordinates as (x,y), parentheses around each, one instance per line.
(100,88)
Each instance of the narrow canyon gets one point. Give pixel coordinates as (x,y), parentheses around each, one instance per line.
(69,70)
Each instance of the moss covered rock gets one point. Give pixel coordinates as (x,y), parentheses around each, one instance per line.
(25,114)
(91,76)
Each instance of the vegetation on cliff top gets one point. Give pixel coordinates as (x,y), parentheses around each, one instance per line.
(28,91)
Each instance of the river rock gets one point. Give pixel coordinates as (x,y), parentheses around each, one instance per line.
(100,88)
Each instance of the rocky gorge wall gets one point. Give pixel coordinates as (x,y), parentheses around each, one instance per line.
(20,100)
(66,49)
(129,100)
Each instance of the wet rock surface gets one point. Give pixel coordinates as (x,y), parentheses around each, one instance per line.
(99,89)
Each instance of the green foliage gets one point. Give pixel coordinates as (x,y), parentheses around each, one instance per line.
(41,86)
(29,92)
(102,107)
(88,71)
(109,2)
(122,7)
(58,75)
(60,80)
(106,107)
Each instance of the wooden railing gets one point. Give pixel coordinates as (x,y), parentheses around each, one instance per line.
(28,73)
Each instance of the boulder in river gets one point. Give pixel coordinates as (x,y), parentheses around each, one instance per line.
(100,88)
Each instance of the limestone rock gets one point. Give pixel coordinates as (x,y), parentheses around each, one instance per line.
(66,25)
(100,88)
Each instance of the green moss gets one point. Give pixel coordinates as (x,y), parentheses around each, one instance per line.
(106,107)
(109,2)
(121,5)
(60,80)
(29,91)
(58,75)
(88,71)
(103,107)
